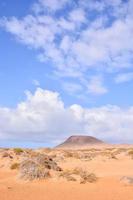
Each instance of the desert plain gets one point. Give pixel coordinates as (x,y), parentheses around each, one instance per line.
(103,173)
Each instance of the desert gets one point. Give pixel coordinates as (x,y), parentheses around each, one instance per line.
(96,173)
(66,99)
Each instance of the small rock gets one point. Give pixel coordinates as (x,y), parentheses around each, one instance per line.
(127,179)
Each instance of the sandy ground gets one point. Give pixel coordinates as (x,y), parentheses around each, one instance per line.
(108,186)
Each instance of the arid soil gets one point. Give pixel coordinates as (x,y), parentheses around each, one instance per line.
(112,170)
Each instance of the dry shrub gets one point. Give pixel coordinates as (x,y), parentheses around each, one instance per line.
(78,173)
(38,167)
(113,152)
(74,154)
(112,156)
(31,170)
(46,161)
(15,166)
(7,155)
(85,176)
(71,154)
(86,156)
(47,150)
(88,177)
(68,154)
(67,174)
(71,178)
(130,153)
(109,154)
(18,151)
(94,150)
(117,151)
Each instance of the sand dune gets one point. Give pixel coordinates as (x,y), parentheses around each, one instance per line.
(109,165)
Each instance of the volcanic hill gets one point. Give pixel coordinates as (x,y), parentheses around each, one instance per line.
(79,141)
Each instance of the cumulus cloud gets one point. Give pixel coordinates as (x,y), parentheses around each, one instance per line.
(43,117)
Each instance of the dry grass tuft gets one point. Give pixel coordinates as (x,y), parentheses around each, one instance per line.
(30,170)
(109,154)
(18,151)
(15,166)
(68,175)
(78,174)
(7,155)
(130,153)
(112,156)
(38,166)
(88,177)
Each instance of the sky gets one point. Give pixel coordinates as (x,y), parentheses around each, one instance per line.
(66,67)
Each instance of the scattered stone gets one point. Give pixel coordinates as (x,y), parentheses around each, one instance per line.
(127,179)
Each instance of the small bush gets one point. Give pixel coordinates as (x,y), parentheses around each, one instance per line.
(18,151)
(88,177)
(71,178)
(31,170)
(38,166)
(108,154)
(112,156)
(130,153)
(72,154)
(78,173)
(15,166)
(6,154)
(47,150)
(68,154)
(67,174)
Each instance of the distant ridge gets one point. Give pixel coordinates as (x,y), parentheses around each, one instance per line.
(80,141)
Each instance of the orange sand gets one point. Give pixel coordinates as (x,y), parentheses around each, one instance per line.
(108,186)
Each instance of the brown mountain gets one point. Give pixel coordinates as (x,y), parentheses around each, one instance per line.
(79,141)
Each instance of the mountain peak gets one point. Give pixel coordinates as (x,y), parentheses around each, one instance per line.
(80,141)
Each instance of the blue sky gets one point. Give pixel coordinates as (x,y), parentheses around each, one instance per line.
(71,56)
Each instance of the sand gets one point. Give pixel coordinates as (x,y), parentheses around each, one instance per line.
(108,187)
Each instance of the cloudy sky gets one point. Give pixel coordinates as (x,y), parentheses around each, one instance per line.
(66,67)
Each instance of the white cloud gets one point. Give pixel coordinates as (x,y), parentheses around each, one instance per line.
(30,31)
(67,25)
(72,88)
(77,15)
(75,40)
(95,45)
(43,117)
(66,44)
(95,86)
(52,5)
(124,77)
(36,82)
(93,5)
